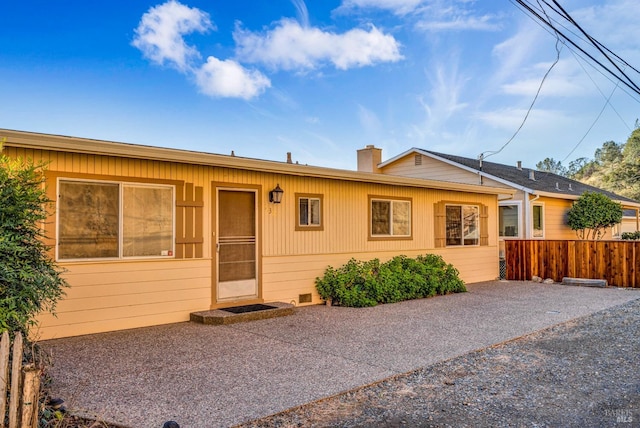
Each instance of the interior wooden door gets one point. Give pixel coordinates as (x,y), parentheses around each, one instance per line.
(236,245)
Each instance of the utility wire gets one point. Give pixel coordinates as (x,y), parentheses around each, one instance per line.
(533,12)
(597,45)
(600,90)
(592,125)
(485,155)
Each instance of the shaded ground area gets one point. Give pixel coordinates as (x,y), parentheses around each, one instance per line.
(583,373)
(218,376)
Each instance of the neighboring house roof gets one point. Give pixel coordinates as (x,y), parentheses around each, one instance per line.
(543,183)
(32,140)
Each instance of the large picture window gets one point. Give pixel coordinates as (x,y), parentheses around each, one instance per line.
(114,220)
(462,225)
(390,218)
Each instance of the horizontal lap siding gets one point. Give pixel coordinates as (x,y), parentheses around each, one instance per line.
(107,296)
(104,295)
(287,277)
(436,170)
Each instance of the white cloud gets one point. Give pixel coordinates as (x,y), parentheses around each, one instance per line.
(229,79)
(399,7)
(289,46)
(302,12)
(509,119)
(461,22)
(160,33)
(566,79)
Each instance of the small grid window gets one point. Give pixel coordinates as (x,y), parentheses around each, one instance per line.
(309,212)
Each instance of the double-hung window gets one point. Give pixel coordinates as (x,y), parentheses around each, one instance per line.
(309,212)
(115,220)
(390,218)
(538,221)
(462,225)
(509,220)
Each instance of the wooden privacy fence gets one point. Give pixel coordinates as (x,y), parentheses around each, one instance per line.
(616,261)
(19,386)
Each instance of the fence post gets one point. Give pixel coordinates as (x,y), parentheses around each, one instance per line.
(4,375)
(30,396)
(23,398)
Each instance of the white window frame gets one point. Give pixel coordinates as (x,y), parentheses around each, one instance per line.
(462,244)
(518,204)
(121,185)
(543,219)
(391,234)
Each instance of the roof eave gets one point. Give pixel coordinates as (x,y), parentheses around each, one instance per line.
(107,148)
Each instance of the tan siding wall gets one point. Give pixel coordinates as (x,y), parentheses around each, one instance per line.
(629,224)
(555,215)
(293,275)
(435,170)
(115,295)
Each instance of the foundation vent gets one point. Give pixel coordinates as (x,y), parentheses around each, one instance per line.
(304,298)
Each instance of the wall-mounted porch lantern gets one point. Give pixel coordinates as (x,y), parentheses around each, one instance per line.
(275,195)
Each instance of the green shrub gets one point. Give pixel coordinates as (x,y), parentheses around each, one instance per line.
(30,282)
(360,284)
(631,236)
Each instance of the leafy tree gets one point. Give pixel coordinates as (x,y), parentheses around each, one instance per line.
(579,167)
(615,167)
(592,214)
(551,165)
(609,153)
(30,282)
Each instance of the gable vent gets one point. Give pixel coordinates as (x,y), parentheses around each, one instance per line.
(418,160)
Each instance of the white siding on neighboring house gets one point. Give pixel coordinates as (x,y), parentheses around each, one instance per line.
(433,169)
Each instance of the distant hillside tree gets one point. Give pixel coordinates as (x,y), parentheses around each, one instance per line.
(615,167)
(551,165)
(592,214)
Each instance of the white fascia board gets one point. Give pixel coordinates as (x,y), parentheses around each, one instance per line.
(398,157)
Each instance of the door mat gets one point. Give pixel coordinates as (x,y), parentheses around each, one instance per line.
(247,308)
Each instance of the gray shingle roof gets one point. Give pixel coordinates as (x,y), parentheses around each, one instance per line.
(544,181)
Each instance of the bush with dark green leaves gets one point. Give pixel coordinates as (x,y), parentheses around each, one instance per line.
(367,283)
(631,236)
(30,282)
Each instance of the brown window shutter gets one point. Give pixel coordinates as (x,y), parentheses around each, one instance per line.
(484,225)
(189,221)
(440,224)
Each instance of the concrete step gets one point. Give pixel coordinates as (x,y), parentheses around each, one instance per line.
(244,313)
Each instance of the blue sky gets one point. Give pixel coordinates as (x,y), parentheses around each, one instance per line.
(320,78)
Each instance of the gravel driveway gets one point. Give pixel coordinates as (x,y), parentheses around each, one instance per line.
(219,376)
(582,373)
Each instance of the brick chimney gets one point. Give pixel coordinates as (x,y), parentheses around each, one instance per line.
(369,158)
